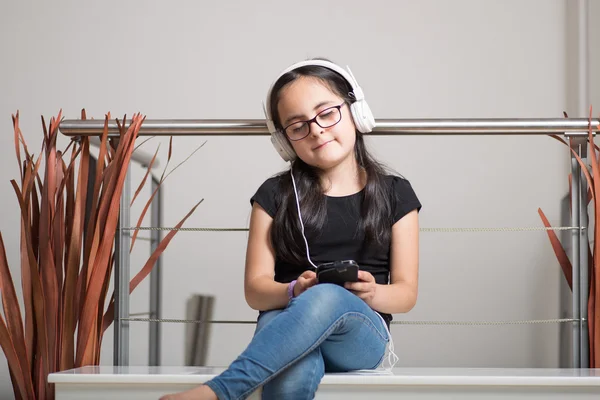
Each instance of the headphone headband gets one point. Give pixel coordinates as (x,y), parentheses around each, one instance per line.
(361,113)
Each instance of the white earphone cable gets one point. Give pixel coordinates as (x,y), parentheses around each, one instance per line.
(300,218)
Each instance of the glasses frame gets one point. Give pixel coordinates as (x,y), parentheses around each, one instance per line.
(314,119)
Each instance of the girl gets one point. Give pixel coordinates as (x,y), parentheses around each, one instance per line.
(335,203)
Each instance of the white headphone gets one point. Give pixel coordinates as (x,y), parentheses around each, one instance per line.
(361,113)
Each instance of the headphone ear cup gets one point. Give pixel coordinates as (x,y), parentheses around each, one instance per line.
(282,146)
(362,115)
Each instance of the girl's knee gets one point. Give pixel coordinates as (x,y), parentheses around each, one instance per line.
(266,317)
(324,302)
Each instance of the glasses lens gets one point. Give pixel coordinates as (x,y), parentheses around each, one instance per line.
(297,130)
(329,117)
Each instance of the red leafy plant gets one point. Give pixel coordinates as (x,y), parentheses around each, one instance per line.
(66,254)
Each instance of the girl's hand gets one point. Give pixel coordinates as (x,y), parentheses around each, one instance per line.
(365,288)
(304,281)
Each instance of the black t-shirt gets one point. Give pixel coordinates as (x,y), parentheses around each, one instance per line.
(340,238)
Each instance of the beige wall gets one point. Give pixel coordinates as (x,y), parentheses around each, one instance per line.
(428,59)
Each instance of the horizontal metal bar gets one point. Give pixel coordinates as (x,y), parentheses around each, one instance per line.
(140,314)
(143,238)
(182,127)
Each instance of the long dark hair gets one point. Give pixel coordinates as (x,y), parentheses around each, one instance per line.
(376,209)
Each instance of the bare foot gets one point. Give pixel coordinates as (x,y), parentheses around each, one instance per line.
(198,393)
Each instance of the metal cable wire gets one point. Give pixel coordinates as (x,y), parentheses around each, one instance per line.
(449,323)
(469,323)
(452,323)
(499,229)
(162,228)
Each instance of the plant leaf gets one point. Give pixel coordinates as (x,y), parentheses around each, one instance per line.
(554,136)
(58,223)
(143,182)
(27,293)
(41,365)
(103,299)
(170,148)
(70,203)
(141,144)
(46,137)
(28,210)
(89,251)
(17,145)
(168,158)
(561,255)
(14,321)
(12,359)
(67,356)
(46,259)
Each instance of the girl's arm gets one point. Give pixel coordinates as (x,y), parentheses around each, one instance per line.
(262,292)
(400,295)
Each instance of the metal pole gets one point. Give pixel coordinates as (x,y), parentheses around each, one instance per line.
(575,253)
(583,8)
(155,278)
(584,345)
(258,127)
(583,55)
(122,239)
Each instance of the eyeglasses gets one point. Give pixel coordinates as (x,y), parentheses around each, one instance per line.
(325,119)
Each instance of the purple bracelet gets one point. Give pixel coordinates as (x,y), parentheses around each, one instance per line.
(290,290)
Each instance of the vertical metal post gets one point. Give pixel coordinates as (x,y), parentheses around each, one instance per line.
(579,251)
(583,8)
(575,251)
(122,239)
(565,292)
(155,278)
(584,344)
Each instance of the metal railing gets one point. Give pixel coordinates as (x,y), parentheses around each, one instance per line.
(253,127)
(576,128)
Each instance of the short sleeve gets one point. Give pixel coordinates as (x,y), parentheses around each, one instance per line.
(405,198)
(265,196)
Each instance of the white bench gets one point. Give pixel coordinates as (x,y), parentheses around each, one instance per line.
(133,383)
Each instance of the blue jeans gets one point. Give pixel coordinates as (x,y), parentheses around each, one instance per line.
(325,329)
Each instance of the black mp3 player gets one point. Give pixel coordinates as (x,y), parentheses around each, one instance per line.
(338,272)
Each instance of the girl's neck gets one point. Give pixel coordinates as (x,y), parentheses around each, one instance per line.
(344,179)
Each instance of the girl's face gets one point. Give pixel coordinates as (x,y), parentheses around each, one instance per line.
(323,148)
